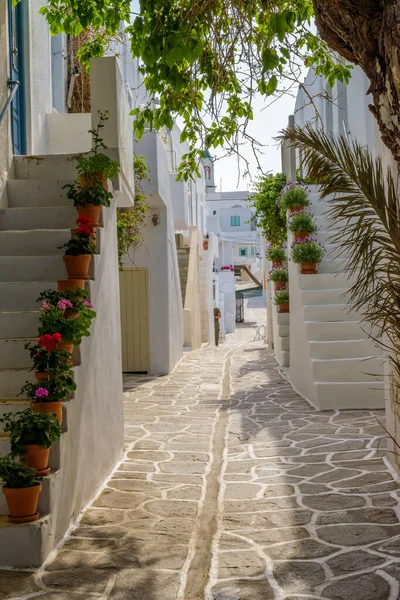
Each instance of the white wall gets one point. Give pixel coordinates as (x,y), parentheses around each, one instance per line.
(5,134)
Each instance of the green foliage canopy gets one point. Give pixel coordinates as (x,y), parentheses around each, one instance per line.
(268,215)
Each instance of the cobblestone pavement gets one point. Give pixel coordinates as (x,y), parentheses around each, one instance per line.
(233,488)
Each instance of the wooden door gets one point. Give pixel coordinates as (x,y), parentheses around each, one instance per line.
(135,320)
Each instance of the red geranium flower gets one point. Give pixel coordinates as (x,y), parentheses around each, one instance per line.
(84,220)
(85,230)
(49,341)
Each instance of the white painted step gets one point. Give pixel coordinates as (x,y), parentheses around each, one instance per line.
(329,312)
(340,330)
(36,192)
(32,268)
(23,295)
(347,369)
(47,166)
(13,354)
(283,318)
(12,380)
(324,281)
(33,242)
(285,344)
(53,217)
(350,395)
(19,324)
(283,331)
(344,349)
(332,265)
(21,545)
(330,296)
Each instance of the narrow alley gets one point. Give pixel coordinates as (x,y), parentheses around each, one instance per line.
(233,488)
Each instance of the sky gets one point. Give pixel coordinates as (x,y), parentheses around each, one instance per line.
(268,121)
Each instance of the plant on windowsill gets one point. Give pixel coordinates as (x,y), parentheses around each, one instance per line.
(301,225)
(31,436)
(293,198)
(281,301)
(78,251)
(280,277)
(276,254)
(308,253)
(21,488)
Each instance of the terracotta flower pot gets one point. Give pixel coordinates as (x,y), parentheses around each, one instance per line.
(54,408)
(70,284)
(68,346)
(70,314)
(77,266)
(41,376)
(308,268)
(301,235)
(90,180)
(205,245)
(293,210)
(37,457)
(92,211)
(276,264)
(280,285)
(22,503)
(283,308)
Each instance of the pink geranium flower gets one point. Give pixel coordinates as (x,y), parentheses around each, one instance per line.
(45,306)
(88,304)
(64,303)
(40,392)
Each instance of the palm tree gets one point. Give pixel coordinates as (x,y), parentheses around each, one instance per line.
(365,208)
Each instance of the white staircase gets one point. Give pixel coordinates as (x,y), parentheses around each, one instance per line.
(38,220)
(280,328)
(333,363)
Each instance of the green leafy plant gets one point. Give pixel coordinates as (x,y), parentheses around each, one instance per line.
(96,162)
(94,194)
(275,253)
(77,298)
(302,222)
(29,427)
(279,274)
(45,361)
(53,320)
(293,195)
(15,474)
(306,251)
(131,220)
(79,244)
(268,215)
(56,389)
(281,297)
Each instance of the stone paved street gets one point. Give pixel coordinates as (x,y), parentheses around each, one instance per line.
(233,488)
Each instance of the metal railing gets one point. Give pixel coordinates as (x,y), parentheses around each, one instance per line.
(13,85)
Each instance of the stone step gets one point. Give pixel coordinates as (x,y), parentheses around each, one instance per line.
(13,354)
(12,380)
(329,312)
(283,331)
(325,281)
(31,268)
(22,295)
(283,318)
(350,395)
(19,324)
(332,265)
(36,192)
(347,369)
(330,296)
(51,167)
(344,349)
(33,242)
(52,217)
(285,344)
(21,545)
(285,358)
(334,331)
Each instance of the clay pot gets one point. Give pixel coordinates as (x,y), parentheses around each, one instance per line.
(301,235)
(308,268)
(77,266)
(293,210)
(92,211)
(279,285)
(205,245)
(22,503)
(41,376)
(37,457)
(68,346)
(70,284)
(283,308)
(90,180)
(70,314)
(276,264)
(54,408)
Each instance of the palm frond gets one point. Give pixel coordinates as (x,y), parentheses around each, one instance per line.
(364,210)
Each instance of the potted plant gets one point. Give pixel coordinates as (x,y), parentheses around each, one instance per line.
(307,253)
(84,222)
(276,254)
(21,488)
(301,225)
(293,198)
(32,435)
(47,396)
(78,252)
(54,322)
(280,277)
(47,357)
(282,301)
(205,242)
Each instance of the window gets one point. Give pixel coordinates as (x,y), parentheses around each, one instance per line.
(207,172)
(242,251)
(253,251)
(235,221)
(214,212)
